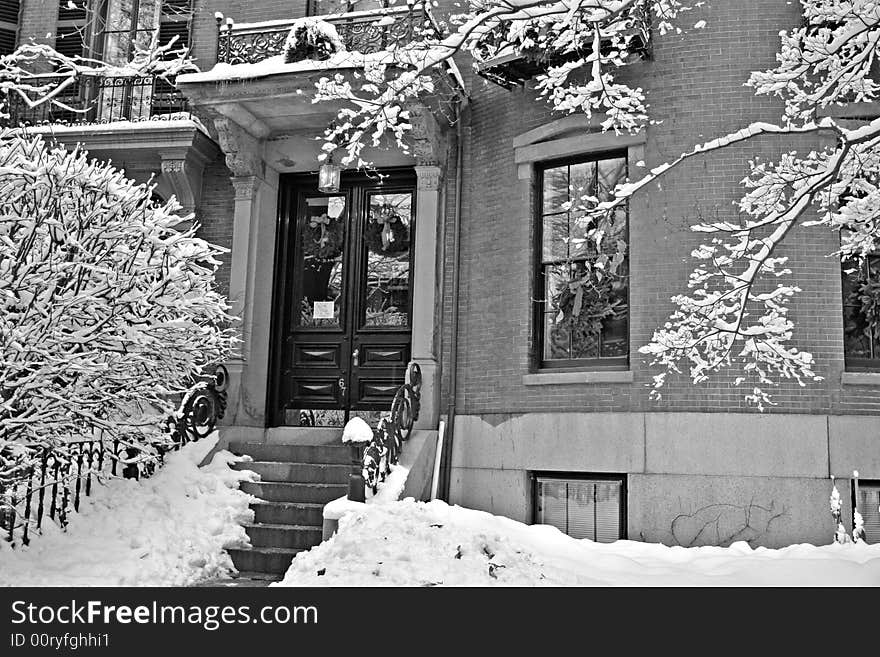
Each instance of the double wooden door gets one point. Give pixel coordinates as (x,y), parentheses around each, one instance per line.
(343,301)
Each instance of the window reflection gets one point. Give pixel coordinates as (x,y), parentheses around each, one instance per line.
(387,239)
(321,276)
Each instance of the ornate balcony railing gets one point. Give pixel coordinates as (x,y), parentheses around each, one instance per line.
(98,100)
(53,480)
(509,66)
(362,31)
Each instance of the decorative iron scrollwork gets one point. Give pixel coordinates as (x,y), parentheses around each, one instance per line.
(362,33)
(53,480)
(393,430)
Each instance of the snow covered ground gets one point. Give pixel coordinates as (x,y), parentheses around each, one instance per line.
(411,543)
(168,530)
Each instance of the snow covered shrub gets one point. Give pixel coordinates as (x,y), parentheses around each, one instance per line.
(311,38)
(107,306)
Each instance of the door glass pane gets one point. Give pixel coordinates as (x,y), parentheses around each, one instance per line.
(319,298)
(387,238)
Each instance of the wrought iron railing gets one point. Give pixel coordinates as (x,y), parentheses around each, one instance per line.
(53,481)
(362,31)
(376,457)
(98,100)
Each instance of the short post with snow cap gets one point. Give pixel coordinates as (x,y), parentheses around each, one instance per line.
(378,449)
(858,529)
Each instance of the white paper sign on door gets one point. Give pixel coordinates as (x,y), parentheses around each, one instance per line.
(323,310)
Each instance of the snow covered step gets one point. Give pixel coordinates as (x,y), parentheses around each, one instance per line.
(288,513)
(283,536)
(262,559)
(303,435)
(307,473)
(327,454)
(275,491)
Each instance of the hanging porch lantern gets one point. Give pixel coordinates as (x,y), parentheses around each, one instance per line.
(328,176)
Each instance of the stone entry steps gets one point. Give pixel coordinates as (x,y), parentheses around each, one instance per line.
(298,478)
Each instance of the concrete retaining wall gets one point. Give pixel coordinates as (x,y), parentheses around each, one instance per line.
(692,478)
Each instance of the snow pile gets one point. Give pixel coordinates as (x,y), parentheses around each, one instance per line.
(312,36)
(389,491)
(357,431)
(168,530)
(412,543)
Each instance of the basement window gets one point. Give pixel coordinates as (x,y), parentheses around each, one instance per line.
(869,507)
(582,505)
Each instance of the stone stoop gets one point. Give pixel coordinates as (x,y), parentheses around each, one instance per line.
(297,480)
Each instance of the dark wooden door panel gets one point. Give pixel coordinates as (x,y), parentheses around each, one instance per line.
(343,295)
(317,355)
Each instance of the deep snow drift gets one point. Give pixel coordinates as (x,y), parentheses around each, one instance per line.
(411,543)
(168,530)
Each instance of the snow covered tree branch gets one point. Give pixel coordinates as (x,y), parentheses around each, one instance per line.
(18,79)
(594,37)
(736,310)
(107,305)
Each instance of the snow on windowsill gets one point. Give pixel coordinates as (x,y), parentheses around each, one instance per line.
(548,377)
(860,378)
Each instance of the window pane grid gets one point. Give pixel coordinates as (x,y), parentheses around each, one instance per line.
(566,255)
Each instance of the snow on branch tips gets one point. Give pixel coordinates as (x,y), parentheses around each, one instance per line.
(736,312)
(584,42)
(107,302)
(17,70)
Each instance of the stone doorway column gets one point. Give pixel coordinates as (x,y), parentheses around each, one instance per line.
(425,292)
(251,271)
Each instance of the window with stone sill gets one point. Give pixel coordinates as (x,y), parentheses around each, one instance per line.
(113,30)
(860,283)
(590,332)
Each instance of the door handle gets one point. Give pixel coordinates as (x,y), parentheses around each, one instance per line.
(355,357)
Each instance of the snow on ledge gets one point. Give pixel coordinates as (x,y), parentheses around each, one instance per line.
(119,126)
(276,66)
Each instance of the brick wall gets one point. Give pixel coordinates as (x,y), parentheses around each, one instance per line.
(38,21)
(216,213)
(694,86)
